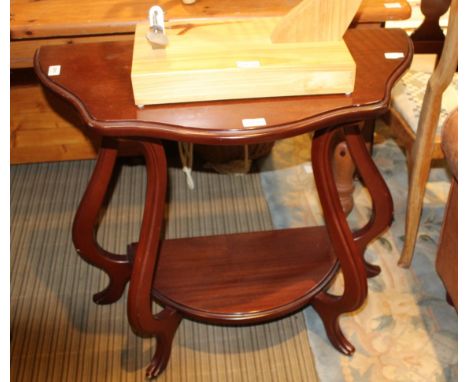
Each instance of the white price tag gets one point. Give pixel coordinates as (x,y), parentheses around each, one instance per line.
(54,70)
(254,122)
(394,55)
(248,64)
(392,5)
(308,168)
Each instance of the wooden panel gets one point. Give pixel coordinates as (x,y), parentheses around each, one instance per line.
(44,129)
(236,60)
(48,18)
(316,20)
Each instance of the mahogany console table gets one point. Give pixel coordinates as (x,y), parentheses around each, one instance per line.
(241,278)
(41,130)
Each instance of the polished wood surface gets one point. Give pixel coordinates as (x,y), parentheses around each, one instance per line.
(209,277)
(107,66)
(251,277)
(54,22)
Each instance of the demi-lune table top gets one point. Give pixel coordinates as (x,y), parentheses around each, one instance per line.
(95,78)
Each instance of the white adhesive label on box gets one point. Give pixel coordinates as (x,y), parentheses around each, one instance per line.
(253,122)
(54,70)
(248,64)
(392,5)
(394,55)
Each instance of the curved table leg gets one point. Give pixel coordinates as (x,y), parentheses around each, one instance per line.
(117,267)
(164,325)
(344,167)
(355,283)
(344,170)
(382,204)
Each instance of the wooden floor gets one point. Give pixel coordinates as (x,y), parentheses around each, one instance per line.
(42,127)
(59,334)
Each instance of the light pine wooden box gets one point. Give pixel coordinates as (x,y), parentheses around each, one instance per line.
(235,59)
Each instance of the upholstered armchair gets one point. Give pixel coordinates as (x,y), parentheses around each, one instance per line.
(447,255)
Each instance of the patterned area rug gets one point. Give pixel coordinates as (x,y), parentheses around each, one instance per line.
(58,334)
(405,331)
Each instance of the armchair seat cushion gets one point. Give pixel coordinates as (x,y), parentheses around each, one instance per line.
(408,95)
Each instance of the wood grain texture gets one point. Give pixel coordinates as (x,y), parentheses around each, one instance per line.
(235,60)
(316,20)
(55,18)
(90,70)
(22,51)
(218,278)
(44,128)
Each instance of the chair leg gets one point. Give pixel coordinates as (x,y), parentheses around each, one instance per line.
(420,164)
(418,179)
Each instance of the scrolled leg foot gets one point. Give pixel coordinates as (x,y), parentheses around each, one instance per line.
(160,358)
(170,320)
(115,288)
(325,306)
(371,269)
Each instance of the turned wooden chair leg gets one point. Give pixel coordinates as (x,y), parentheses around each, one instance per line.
(343,170)
(419,175)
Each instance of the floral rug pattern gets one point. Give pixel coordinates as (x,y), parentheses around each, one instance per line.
(405,331)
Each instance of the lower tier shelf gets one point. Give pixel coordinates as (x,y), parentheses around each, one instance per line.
(244,278)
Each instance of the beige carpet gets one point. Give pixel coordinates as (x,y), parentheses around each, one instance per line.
(59,334)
